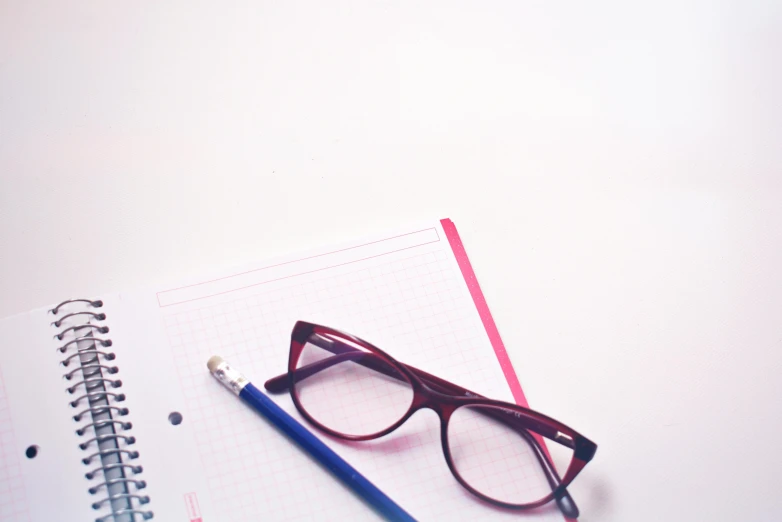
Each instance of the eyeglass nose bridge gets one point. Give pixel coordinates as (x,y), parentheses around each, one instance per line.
(443,405)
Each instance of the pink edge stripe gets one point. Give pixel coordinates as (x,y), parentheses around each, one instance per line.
(483,311)
(488,322)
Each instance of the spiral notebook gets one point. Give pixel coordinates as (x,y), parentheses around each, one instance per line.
(108,413)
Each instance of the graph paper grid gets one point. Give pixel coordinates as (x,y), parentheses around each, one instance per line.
(413,306)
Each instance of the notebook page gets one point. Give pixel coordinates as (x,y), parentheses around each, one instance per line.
(403,292)
(13,497)
(34,411)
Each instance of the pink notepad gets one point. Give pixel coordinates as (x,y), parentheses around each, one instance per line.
(411,292)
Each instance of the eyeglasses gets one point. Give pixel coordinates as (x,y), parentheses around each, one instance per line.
(352,390)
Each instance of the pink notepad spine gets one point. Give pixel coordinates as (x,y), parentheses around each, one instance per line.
(488,321)
(483,310)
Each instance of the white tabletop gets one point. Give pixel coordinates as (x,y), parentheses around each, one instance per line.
(614,168)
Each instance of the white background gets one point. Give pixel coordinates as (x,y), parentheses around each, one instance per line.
(614,168)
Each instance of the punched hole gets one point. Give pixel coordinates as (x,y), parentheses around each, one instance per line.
(175,418)
(32,451)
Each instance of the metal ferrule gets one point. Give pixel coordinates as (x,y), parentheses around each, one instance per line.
(230,377)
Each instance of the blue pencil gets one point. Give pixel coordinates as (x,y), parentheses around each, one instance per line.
(238,383)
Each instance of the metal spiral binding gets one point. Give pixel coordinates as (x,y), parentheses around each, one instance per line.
(98,412)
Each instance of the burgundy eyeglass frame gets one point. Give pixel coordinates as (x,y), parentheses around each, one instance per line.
(443,398)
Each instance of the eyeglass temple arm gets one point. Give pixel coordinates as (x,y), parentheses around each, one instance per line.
(343,353)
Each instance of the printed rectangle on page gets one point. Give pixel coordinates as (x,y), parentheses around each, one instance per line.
(192,507)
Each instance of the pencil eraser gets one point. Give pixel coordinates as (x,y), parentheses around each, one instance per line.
(226,374)
(214,362)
